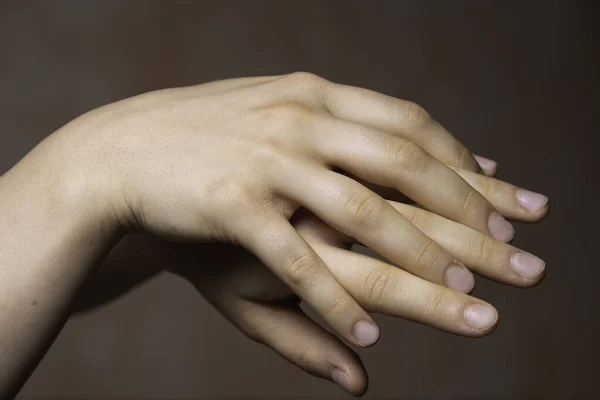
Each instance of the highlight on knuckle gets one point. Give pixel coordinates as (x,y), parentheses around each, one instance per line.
(490,187)
(228,193)
(336,307)
(436,304)
(426,254)
(472,203)
(376,286)
(301,269)
(304,79)
(409,157)
(365,209)
(288,112)
(484,249)
(250,330)
(414,116)
(300,356)
(253,334)
(465,158)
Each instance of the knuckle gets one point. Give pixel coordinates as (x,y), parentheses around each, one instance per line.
(415,118)
(472,203)
(228,192)
(465,158)
(300,356)
(283,125)
(490,187)
(365,209)
(306,83)
(376,286)
(288,111)
(426,254)
(413,216)
(253,334)
(336,307)
(302,78)
(409,157)
(482,248)
(301,269)
(250,330)
(285,117)
(436,303)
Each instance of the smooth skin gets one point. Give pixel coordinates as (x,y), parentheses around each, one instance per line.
(229,161)
(268,312)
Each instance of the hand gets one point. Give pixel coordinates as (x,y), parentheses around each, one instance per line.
(233,160)
(266,310)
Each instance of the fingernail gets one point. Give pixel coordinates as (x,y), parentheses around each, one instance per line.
(341,379)
(366,333)
(480,317)
(458,277)
(500,228)
(486,163)
(531,201)
(527,265)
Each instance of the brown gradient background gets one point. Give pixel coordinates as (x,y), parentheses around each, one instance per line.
(516,81)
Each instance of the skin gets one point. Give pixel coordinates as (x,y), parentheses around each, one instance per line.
(232,161)
(265,309)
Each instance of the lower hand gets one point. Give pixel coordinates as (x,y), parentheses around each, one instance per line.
(266,309)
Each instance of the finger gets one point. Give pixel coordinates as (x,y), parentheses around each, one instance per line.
(489,167)
(366,107)
(356,211)
(513,202)
(301,341)
(399,117)
(488,257)
(382,288)
(279,246)
(394,162)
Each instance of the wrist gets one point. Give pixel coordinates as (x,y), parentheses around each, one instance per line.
(58,187)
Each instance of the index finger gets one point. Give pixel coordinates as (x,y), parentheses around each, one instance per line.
(402,118)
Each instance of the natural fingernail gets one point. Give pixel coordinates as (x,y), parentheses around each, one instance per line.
(486,163)
(479,316)
(500,228)
(527,265)
(366,333)
(531,201)
(458,277)
(341,379)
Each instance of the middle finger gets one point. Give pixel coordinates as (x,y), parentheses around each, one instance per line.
(391,161)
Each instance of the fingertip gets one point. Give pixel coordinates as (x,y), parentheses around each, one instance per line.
(535,203)
(489,167)
(499,228)
(352,381)
(528,266)
(366,333)
(481,318)
(459,278)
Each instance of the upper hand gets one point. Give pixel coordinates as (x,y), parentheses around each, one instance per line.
(233,160)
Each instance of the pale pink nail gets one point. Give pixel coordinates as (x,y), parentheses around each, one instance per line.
(458,277)
(500,229)
(366,333)
(479,316)
(531,201)
(527,265)
(341,379)
(486,164)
